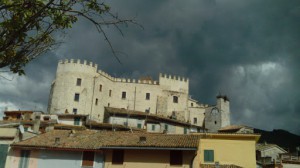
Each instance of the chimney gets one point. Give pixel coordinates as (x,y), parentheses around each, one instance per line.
(142,139)
(57,141)
(36,124)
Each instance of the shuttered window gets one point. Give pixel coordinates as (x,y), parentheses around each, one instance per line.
(24,160)
(88,158)
(208,155)
(76,120)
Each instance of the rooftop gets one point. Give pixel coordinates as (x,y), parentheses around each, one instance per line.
(265,146)
(233,127)
(93,140)
(148,116)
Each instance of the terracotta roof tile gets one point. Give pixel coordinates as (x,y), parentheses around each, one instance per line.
(92,139)
(151,117)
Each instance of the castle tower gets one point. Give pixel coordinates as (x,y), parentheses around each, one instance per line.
(224,105)
(72,89)
(218,116)
(174,98)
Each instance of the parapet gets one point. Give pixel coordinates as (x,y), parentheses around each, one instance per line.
(78,62)
(178,78)
(124,80)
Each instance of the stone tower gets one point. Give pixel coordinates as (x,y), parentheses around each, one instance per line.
(218,116)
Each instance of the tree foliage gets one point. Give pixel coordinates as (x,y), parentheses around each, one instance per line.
(27,26)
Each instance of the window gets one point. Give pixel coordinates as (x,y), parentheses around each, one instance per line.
(88,158)
(74,110)
(208,155)
(147,110)
(153,127)
(96,102)
(166,127)
(192,104)
(78,82)
(185,131)
(109,93)
(118,157)
(100,88)
(123,95)
(195,120)
(147,96)
(24,160)
(139,125)
(175,99)
(108,104)
(77,121)
(76,97)
(175,157)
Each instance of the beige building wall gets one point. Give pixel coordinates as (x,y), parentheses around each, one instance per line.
(226,151)
(148,159)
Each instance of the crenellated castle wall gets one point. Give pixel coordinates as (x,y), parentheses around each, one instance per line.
(98,89)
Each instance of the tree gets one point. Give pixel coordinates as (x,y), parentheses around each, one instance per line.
(27,27)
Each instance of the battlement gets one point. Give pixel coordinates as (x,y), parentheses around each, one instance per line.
(124,80)
(78,62)
(178,78)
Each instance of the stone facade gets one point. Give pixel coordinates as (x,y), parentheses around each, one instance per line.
(81,88)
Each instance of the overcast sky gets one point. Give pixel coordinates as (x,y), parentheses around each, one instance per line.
(246,49)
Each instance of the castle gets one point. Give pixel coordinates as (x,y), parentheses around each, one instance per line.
(81,88)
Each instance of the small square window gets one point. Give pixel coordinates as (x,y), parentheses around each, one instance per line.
(100,88)
(185,130)
(76,97)
(123,95)
(78,82)
(139,125)
(147,96)
(175,99)
(208,155)
(118,157)
(153,127)
(74,110)
(166,127)
(195,120)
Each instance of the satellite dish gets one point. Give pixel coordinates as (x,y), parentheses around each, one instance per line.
(21,128)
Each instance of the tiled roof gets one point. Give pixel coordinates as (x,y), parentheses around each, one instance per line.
(233,127)
(69,127)
(133,113)
(92,139)
(71,115)
(108,126)
(262,146)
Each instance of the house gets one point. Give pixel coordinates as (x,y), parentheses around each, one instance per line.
(69,148)
(271,152)
(227,149)
(237,129)
(150,122)
(64,148)
(80,88)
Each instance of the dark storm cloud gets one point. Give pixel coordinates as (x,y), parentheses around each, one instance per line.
(245,49)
